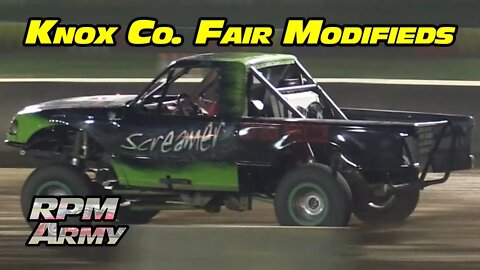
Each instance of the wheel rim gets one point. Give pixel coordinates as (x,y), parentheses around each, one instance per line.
(308,204)
(53,188)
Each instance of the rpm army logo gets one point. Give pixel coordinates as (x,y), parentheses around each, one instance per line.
(67,221)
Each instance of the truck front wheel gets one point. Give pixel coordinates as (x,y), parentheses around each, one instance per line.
(54,180)
(393,210)
(312,196)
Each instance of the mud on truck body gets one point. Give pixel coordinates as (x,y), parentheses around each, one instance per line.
(253,126)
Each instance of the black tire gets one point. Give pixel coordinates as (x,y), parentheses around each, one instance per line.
(393,213)
(129,216)
(326,199)
(54,180)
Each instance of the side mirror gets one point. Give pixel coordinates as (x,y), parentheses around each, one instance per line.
(258,104)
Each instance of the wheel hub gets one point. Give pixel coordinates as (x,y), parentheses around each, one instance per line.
(312,204)
(308,204)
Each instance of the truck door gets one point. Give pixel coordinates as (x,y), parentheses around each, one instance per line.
(173,147)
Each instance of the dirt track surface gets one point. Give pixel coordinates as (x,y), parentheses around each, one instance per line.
(443,233)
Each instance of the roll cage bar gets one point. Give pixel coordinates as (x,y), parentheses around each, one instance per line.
(277,91)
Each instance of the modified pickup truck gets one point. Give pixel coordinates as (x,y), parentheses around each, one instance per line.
(219,130)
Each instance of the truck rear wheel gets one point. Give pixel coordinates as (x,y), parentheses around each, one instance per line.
(54,180)
(312,196)
(395,211)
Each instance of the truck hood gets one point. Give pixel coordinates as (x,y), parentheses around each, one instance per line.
(101,101)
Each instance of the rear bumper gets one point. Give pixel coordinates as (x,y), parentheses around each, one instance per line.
(426,183)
